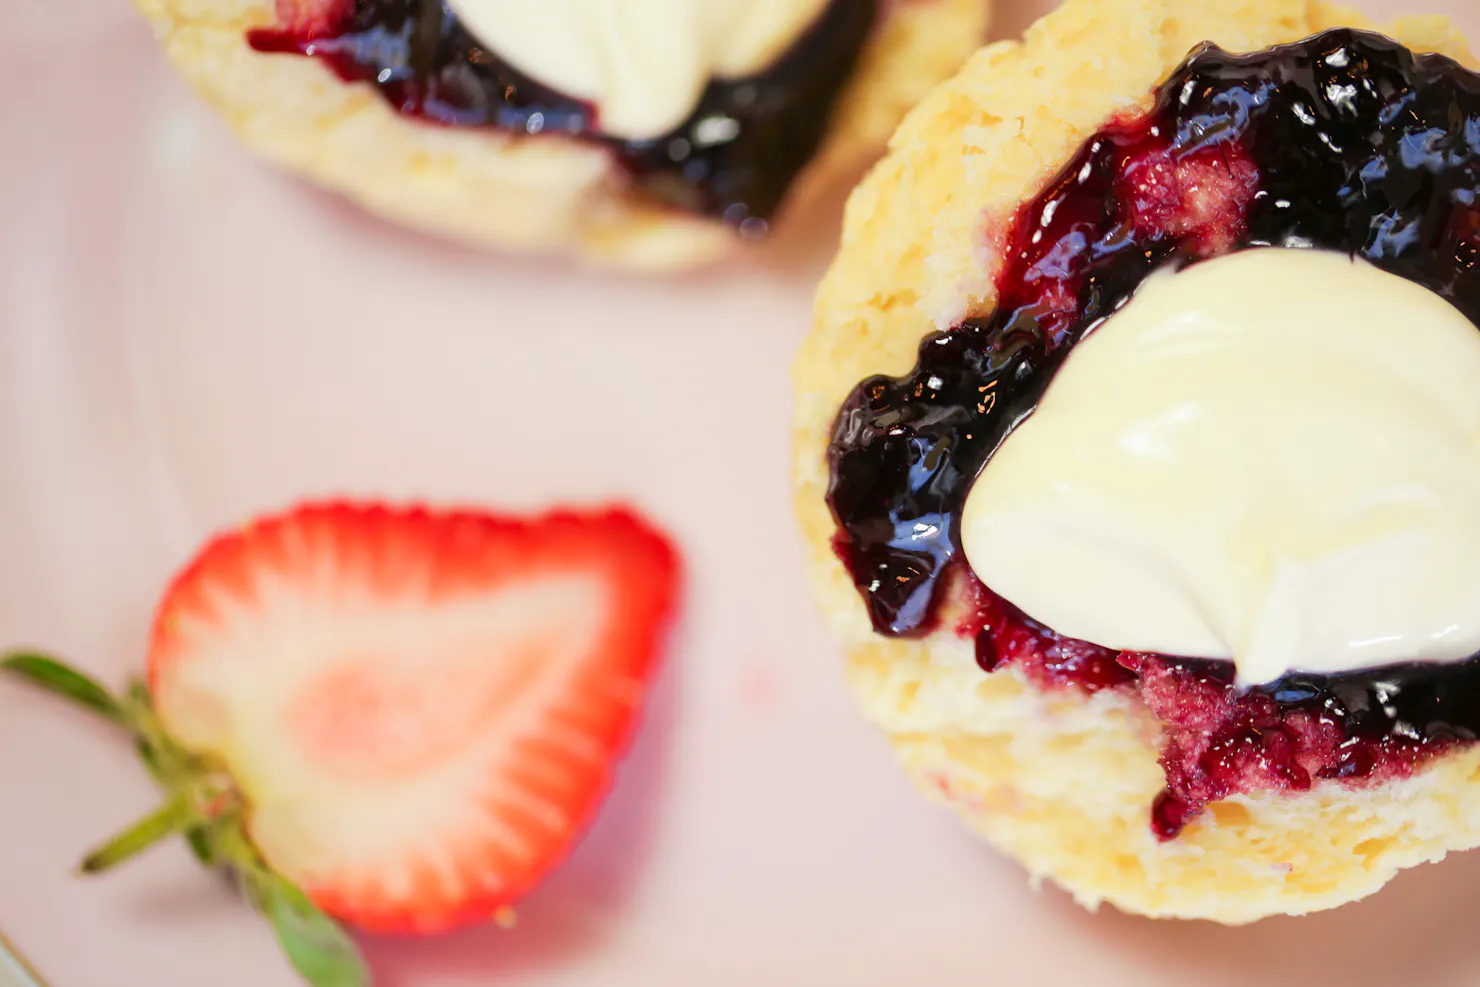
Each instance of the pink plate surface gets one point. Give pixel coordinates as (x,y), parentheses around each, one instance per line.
(188,337)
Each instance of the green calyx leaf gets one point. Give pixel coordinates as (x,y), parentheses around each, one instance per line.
(171,765)
(205,807)
(56,678)
(173,817)
(201,844)
(319,949)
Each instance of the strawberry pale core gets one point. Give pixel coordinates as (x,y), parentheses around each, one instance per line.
(1272,457)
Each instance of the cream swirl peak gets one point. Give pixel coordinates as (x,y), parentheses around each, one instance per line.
(642,63)
(1179,490)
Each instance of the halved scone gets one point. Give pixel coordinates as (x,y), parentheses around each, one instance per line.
(1054,443)
(679,143)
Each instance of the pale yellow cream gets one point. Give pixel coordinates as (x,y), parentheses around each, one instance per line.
(643,63)
(1272,457)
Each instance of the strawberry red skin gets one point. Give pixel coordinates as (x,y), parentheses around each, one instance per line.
(470,549)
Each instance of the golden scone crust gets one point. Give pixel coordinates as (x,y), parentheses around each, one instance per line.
(543,194)
(1063,781)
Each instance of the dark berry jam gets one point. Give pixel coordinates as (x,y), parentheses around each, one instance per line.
(1004,635)
(1218,740)
(735,157)
(1345,141)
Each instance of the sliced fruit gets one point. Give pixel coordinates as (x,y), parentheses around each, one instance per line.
(409,715)
(421,709)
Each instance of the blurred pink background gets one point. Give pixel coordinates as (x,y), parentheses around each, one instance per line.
(188,337)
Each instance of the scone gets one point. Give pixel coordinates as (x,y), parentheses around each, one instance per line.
(651,135)
(1138,451)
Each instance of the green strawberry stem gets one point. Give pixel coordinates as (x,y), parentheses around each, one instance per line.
(205,806)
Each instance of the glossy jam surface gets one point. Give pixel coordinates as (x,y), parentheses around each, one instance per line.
(1004,636)
(734,158)
(1345,142)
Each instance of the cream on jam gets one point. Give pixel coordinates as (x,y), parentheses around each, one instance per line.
(734,157)
(1237,465)
(644,64)
(1344,142)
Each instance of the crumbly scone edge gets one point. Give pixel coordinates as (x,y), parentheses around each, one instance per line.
(1063,782)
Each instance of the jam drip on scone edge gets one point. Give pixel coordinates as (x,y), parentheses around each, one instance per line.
(734,158)
(1346,142)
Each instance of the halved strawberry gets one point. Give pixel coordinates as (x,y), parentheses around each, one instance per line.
(408,715)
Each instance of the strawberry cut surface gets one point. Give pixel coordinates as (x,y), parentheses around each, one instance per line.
(421,710)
